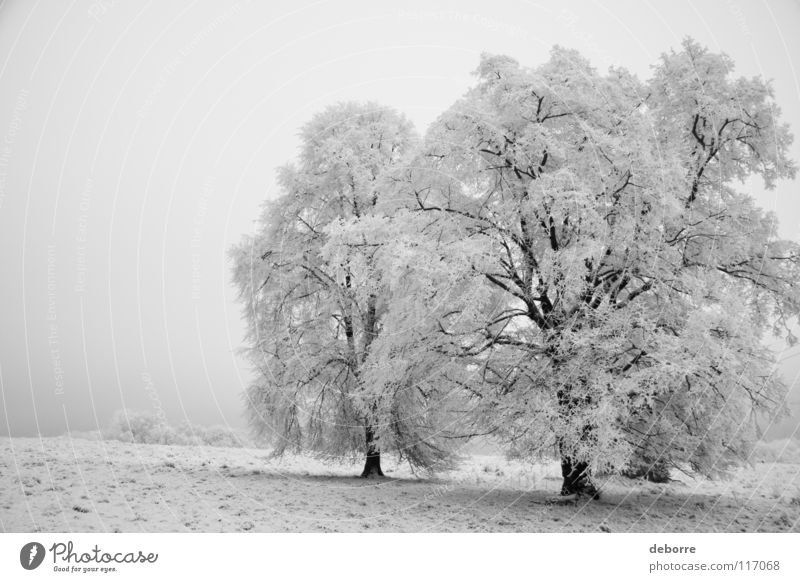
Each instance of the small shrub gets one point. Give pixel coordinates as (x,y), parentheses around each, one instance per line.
(147,428)
(642,468)
(139,427)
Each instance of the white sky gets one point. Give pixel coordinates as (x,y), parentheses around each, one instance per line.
(137,140)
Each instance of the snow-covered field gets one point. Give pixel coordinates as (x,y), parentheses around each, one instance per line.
(63,484)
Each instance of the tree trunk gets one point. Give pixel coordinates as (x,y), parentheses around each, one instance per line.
(372,465)
(577,480)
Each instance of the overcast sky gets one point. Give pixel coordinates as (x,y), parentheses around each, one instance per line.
(138,139)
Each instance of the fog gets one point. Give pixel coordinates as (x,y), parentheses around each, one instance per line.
(138,140)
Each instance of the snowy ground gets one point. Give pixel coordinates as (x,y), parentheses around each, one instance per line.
(62,484)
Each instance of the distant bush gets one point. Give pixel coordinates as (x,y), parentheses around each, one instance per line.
(147,428)
(777,451)
(641,467)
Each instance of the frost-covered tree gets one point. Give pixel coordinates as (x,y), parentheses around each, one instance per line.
(318,309)
(618,279)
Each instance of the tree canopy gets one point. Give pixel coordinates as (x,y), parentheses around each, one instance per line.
(316,304)
(568,260)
